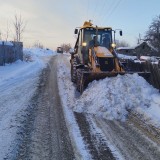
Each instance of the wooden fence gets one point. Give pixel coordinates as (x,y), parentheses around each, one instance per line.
(10,52)
(154,69)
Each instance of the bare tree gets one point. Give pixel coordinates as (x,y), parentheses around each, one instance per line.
(7,32)
(37,44)
(153,33)
(66,47)
(19,26)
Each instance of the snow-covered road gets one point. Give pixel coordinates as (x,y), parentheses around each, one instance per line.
(118,117)
(114,118)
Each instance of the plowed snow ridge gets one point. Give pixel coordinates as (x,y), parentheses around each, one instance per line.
(111,98)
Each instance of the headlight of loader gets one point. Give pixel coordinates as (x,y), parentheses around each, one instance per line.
(113,45)
(84,44)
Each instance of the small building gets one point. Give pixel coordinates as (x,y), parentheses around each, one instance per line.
(126,51)
(145,49)
(10,52)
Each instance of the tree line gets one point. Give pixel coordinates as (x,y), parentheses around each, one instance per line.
(153,33)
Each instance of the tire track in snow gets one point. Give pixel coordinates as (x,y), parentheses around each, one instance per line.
(47,136)
(97,150)
(130,141)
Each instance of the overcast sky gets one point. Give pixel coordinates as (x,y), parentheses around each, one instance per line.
(52,22)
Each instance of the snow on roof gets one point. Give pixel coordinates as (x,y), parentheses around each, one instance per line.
(145,57)
(120,48)
(7,43)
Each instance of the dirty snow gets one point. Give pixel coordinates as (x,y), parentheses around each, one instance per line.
(112,98)
(67,93)
(18,82)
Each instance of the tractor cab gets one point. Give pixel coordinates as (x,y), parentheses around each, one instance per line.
(101,37)
(90,37)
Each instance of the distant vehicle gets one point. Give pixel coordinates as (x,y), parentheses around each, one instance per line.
(59,50)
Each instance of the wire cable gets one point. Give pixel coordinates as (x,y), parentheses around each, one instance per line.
(88,10)
(111,11)
(101,11)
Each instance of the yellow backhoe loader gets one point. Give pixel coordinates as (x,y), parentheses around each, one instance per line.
(94,56)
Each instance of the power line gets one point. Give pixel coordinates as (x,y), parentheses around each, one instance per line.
(112,10)
(109,10)
(95,9)
(115,7)
(100,11)
(87,9)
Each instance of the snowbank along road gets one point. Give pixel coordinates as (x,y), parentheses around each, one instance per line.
(55,122)
(113,124)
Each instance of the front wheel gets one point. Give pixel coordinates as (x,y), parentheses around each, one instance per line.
(73,70)
(80,81)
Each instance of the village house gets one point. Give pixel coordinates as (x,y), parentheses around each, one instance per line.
(142,49)
(126,51)
(145,49)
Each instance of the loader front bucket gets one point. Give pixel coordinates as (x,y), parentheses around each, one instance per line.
(90,76)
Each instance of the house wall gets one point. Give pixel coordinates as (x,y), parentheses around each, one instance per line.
(145,50)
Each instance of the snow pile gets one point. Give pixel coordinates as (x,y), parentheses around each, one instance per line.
(20,69)
(111,98)
(31,54)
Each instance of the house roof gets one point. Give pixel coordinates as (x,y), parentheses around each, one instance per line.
(147,43)
(125,48)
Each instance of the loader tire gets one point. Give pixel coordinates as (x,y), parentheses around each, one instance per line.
(80,81)
(74,70)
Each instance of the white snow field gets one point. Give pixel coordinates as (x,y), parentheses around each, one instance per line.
(18,83)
